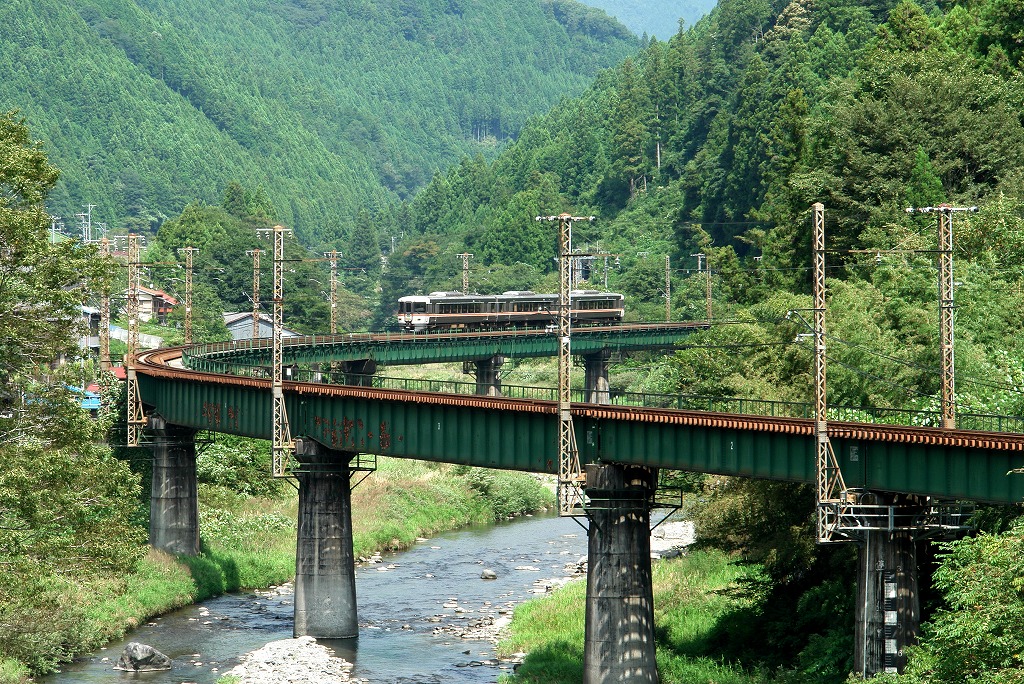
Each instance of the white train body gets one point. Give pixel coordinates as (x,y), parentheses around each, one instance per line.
(516,308)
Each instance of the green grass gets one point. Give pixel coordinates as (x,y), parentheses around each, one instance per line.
(12,672)
(689,596)
(159,584)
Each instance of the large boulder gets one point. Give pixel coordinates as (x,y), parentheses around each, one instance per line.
(138,657)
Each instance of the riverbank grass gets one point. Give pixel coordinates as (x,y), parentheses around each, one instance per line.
(690,596)
(12,672)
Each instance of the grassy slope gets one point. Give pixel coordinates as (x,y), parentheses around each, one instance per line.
(689,598)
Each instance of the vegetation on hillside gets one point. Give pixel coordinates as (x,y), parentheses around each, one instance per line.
(329,106)
(66,505)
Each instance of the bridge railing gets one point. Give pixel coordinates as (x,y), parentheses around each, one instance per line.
(193,354)
(691,402)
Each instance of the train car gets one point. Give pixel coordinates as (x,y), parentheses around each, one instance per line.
(522,308)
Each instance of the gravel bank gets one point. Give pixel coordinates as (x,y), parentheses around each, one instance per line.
(292,661)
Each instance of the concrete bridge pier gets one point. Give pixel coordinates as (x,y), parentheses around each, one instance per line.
(595,382)
(619,642)
(888,613)
(325,575)
(359,372)
(174,497)
(488,375)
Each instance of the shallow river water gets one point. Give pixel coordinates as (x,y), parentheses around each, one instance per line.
(399,600)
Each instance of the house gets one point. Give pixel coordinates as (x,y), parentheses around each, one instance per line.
(91,328)
(156,304)
(239,324)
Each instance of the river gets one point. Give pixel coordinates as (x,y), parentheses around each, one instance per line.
(400,602)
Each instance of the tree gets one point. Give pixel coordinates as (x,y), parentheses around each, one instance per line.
(976,636)
(66,506)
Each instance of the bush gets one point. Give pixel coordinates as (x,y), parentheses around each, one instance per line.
(242,465)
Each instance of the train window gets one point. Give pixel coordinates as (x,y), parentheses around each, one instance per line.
(419,307)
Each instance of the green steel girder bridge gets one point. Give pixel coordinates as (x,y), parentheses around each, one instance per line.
(520,434)
(439,347)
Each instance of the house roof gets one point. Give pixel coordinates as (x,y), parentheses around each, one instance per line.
(233,318)
(236,316)
(153,292)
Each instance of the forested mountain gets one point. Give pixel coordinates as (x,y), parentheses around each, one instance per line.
(328,105)
(656,18)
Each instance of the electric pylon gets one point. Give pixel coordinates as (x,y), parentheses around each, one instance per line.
(465,256)
(189,252)
(135,419)
(946,305)
(282,440)
(255,254)
(332,258)
(105,307)
(570,473)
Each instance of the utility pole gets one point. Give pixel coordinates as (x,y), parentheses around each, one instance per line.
(570,475)
(946,305)
(831,486)
(332,257)
(56,228)
(136,420)
(465,256)
(105,307)
(189,252)
(85,222)
(282,444)
(668,289)
(255,254)
(704,264)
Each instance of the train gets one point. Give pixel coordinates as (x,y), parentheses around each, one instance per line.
(515,308)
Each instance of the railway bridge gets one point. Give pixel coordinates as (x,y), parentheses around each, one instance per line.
(225,388)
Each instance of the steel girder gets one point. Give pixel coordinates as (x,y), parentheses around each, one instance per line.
(506,433)
(438,348)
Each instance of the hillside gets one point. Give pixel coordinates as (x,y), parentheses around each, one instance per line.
(328,105)
(656,18)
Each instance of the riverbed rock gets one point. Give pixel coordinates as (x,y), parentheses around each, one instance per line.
(138,657)
(488,574)
(671,539)
(296,661)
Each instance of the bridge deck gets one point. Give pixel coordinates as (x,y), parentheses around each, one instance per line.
(521,434)
(410,348)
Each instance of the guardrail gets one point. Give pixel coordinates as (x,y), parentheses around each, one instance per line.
(196,352)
